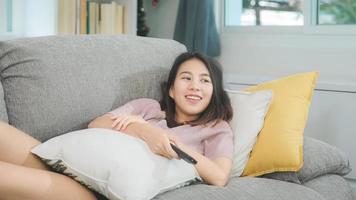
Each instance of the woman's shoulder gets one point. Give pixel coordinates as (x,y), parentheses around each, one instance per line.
(147,107)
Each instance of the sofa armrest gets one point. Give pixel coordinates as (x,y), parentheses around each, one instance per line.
(319,158)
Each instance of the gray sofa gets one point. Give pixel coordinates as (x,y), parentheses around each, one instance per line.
(53,85)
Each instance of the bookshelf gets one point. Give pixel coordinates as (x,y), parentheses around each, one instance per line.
(131,6)
(32,18)
(97,17)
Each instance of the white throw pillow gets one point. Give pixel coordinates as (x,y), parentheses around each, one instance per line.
(114,164)
(249,110)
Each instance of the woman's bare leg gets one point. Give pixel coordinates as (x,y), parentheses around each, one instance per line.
(24,176)
(15,147)
(19,182)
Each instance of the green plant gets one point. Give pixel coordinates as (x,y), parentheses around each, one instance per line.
(343,11)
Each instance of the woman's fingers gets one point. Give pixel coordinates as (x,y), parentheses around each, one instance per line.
(121,122)
(159,150)
(171,152)
(127,122)
(116,121)
(166,145)
(158,145)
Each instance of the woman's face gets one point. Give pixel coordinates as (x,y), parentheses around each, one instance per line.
(192,90)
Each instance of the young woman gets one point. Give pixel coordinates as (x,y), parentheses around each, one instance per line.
(192,114)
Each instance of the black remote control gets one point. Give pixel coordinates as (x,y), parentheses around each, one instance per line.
(184,155)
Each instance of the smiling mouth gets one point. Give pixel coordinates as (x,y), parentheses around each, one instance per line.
(193,97)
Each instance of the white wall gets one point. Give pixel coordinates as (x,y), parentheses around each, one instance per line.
(40,17)
(273,55)
(32,18)
(161,19)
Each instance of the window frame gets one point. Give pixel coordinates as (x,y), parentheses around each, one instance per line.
(310,27)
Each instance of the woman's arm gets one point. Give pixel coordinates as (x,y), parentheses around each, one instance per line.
(143,108)
(156,138)
(103,121)
(215,172)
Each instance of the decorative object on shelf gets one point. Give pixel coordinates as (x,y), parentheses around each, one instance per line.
(142,28)
(154,3)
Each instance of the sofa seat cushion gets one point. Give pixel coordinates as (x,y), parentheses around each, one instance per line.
(331,187)
(246,188)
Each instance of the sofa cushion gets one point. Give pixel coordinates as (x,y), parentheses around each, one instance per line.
(3,112)
(244,188)
(279,145)
(320,158)
(114,164)
(331,187)
(249,110)
(58,84)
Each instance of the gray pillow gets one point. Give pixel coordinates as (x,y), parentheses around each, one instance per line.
(319,158)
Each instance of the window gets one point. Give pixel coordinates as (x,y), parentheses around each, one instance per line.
(336,12)
(289,12)
(263,12)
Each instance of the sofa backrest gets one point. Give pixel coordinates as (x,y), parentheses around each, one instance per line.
(56,84)
(3,112)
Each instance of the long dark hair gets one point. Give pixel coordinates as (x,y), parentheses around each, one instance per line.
(219,107)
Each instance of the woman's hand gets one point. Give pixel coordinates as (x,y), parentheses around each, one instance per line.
(158,140)
(120,122)
(160,143)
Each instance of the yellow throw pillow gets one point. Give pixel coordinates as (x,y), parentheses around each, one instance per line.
(279,146)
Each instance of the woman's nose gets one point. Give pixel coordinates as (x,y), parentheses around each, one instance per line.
(194,86)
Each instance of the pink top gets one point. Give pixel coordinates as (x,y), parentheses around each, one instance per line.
(211,141)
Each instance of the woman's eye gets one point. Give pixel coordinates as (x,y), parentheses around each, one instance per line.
(205,80)
(186,78)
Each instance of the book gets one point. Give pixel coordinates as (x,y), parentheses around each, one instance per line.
(119,19)
(111,18)
(106,18)
(67,16)
(83,16)
(125,21)
(93,14)
(91,17)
